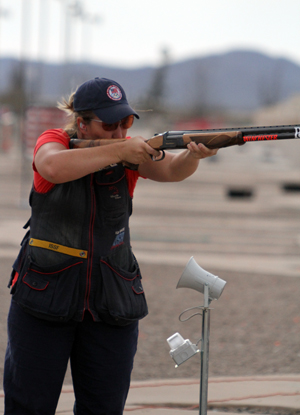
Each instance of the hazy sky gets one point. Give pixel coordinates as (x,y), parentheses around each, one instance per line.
(133,33)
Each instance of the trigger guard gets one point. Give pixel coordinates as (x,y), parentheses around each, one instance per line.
(161,157)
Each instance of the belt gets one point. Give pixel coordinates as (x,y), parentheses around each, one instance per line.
(58,248)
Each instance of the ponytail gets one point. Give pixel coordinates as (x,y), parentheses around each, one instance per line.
(67,105)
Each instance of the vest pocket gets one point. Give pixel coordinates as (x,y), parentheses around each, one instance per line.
(121,298)
(51,292)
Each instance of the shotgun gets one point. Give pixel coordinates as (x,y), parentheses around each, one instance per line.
(214,138)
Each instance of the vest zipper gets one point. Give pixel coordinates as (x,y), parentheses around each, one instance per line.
(91,246)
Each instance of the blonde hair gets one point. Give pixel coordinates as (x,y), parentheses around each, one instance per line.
(67,105)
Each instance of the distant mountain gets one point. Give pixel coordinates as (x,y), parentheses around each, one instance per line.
(235,80)
(238,80)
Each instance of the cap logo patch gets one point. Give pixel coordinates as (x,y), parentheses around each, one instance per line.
(114,93)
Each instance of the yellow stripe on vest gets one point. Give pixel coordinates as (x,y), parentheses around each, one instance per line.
(58,248)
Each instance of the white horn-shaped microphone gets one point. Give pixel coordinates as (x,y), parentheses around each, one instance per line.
(196,278)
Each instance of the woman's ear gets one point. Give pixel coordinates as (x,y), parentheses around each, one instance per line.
(81,124)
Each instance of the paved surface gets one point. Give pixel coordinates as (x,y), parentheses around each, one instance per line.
(258,235)
(263,395)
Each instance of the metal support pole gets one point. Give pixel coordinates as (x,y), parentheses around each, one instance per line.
(204,353)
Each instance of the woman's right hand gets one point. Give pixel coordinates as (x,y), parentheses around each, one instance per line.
(136,151)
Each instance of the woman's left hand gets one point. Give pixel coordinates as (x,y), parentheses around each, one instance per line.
(199,151)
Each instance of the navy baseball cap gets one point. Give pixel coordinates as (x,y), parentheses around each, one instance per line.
(105,97)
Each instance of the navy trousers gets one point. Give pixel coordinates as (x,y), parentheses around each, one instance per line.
(38,351)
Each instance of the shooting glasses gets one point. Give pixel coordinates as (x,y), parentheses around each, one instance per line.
(125,123)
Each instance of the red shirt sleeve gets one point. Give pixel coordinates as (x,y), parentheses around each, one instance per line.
(41,185)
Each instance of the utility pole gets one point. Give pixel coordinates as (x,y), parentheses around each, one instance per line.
(87,20)
(158,87)
(4,13)
(74,9)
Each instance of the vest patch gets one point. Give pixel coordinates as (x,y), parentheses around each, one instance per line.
(119,239)
(114,192)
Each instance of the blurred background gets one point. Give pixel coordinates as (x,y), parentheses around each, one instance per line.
(198,66)
(191,65)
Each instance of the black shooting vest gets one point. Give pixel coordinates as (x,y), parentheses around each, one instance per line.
(77,257)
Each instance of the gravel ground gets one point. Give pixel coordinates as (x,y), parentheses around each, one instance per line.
(254,326)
